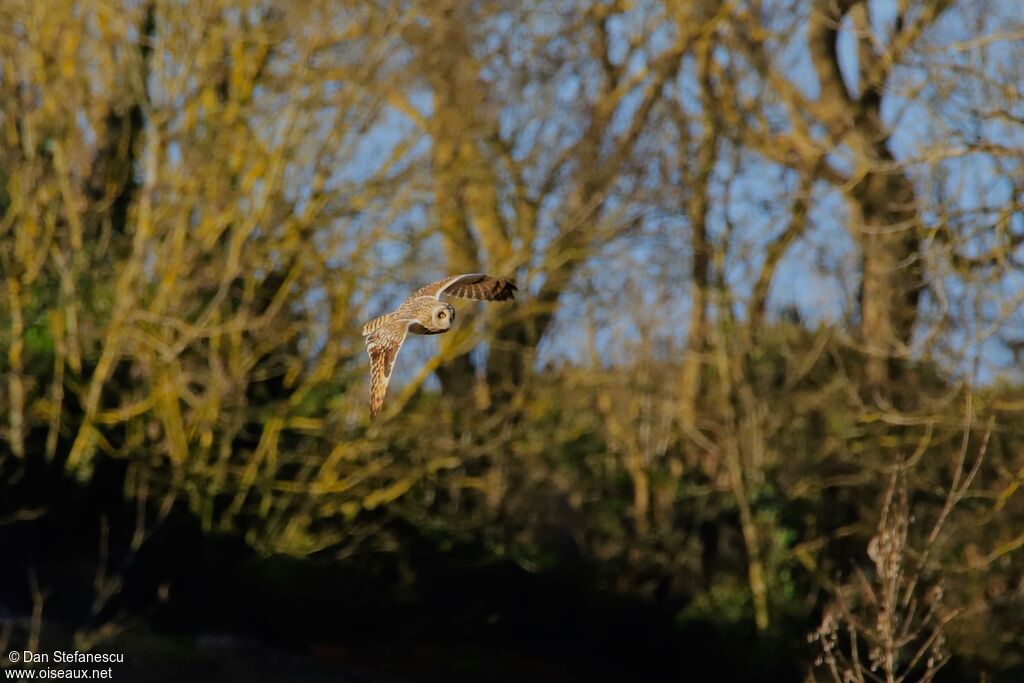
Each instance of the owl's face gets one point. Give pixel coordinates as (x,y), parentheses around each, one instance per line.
(441,317)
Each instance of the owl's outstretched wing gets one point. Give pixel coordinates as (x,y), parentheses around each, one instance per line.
(476,286)
(383,345)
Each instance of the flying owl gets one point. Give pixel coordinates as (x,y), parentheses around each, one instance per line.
(422,313)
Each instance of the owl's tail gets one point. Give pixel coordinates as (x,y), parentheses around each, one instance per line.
(375,324)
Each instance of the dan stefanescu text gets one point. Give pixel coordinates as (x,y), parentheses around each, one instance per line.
(76,657)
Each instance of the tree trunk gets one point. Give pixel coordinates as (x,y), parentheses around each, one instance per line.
(886,224)
(452,75)
(884,219)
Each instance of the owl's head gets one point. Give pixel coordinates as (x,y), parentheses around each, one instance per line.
(442,316)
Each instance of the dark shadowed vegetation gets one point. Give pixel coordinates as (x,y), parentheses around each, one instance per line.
(758,413)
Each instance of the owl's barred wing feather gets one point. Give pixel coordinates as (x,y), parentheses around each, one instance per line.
(476,286)
(383,345)
(377,323)
(486,289)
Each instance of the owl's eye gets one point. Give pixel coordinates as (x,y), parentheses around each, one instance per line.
(442,315)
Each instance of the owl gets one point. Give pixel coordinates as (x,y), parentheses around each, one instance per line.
(422,313)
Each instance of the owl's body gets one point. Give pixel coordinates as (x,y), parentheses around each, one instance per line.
(422,313)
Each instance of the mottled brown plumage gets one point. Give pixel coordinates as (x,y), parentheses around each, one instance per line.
(422,313)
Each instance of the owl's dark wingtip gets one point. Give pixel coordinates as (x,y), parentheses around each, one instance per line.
(510,291)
